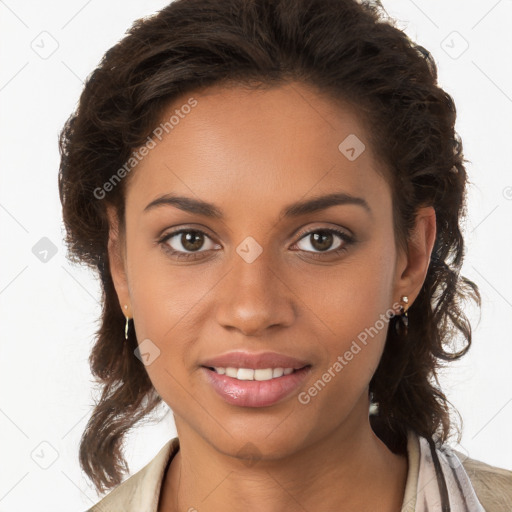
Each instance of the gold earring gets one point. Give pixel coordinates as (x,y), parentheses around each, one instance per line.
(126,325)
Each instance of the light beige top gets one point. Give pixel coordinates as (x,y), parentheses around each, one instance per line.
(141,491)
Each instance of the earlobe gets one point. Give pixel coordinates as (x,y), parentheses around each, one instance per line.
(117,261)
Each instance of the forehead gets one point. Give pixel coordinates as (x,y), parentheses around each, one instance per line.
(238,147)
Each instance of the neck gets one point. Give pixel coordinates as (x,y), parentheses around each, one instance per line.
(350,467)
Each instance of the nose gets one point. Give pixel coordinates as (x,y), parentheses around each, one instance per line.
(253,297)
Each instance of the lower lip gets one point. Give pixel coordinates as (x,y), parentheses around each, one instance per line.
(253,393)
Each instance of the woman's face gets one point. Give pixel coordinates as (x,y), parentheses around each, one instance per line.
(250,279)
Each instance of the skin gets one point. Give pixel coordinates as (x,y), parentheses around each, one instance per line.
(251,153)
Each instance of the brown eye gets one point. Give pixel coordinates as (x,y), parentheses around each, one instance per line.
(191,240)
(322,240)
(186,242)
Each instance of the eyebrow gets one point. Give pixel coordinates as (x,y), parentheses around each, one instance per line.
(191,205)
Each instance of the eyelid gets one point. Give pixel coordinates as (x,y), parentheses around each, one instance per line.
(335,228)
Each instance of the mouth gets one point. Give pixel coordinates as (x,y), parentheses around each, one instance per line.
(255,387)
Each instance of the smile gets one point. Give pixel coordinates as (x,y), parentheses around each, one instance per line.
(247,387)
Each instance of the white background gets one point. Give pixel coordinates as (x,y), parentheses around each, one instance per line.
(49,310)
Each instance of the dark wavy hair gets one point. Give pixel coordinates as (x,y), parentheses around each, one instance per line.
(346,50)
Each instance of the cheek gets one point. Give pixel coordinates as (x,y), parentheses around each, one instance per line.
(353,308)
(163,307)
(163,302)
(162,295)
(354,293)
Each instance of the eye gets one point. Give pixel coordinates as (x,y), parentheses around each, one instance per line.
(184,243)
(321,241)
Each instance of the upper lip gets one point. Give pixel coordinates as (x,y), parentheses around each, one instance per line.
(254,360)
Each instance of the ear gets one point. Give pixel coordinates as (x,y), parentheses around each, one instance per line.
(117,262)
(412,267)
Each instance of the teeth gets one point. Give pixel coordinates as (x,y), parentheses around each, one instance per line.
(263,374)
(231,372)
(251,374)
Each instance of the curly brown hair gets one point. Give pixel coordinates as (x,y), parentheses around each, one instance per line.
(350,51)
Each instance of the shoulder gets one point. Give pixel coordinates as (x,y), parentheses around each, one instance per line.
(141,491)
(493,485)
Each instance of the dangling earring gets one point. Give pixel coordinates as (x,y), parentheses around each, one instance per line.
(126,325)
(402,321)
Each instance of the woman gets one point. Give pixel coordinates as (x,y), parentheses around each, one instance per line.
(271,193)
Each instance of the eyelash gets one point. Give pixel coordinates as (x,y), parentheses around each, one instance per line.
(180,255)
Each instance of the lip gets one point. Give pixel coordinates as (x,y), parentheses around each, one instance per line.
(256,361)
(252,393)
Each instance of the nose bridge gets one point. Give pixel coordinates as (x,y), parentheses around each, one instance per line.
(253,295)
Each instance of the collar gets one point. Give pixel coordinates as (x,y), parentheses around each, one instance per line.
(436,479)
